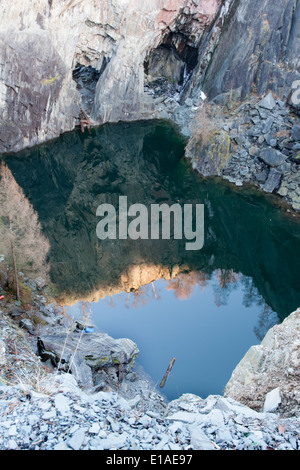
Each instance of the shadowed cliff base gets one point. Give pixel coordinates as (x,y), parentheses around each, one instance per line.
(67,179)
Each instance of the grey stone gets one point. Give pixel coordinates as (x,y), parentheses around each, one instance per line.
(26,324)
(32,419)
(286,143)
(189,102)
(210,159)
(199,440)
(271,157)
(184,416)
(94,351)
(240,140)
(224,435)
(227,98)
(77,439)
(283,191)
(62,404)
(49,415)
(12,444)
(255,131)
(273,181)
(214,417)
(113,441)
(272,400)
(253,151)
(263,113)
(95,428)
(12,430)
(163,442)
(268,102)
(261,176)
(268,125)
(296,132)
(285,167)
(60,446)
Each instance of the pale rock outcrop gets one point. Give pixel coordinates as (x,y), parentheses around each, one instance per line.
(269,372)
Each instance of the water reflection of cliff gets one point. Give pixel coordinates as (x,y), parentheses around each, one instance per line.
(68,178)
(223,282)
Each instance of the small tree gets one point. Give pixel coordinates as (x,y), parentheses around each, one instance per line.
(21,239)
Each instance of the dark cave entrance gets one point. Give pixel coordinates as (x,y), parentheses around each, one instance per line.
(86,79)
(168,67)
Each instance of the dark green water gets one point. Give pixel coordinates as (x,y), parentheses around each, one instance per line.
(248,268)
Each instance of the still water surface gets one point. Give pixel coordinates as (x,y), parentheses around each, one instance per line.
(206,307)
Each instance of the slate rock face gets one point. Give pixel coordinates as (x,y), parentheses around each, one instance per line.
(34,98)
(256,43)
(42,43)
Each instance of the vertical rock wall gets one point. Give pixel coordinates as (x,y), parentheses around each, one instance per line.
(192,45)
(41,42)
(254,47)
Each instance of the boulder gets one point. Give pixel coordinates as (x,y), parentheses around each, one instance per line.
(268,102)
(212,157)
(224,99)
(273,181)
(268,367)
(272,400)
(272,157)
(85,354)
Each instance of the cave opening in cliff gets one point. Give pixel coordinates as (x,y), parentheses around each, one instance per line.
(168,67)
(86,78)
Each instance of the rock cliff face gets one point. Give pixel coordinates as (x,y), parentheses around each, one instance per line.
(125,60)
(42,42)
(255,46)
(271,367)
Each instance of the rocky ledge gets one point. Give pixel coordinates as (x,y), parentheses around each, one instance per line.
(43,408)
(254,142)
